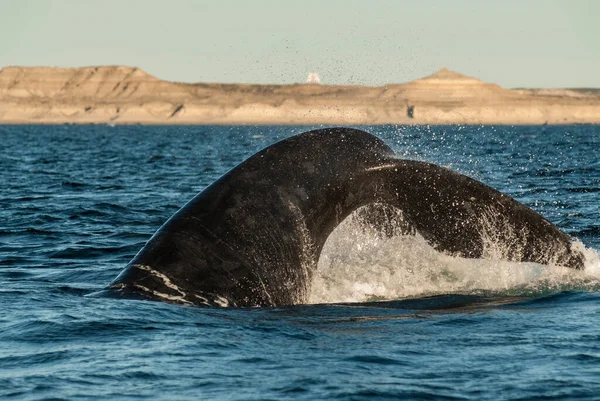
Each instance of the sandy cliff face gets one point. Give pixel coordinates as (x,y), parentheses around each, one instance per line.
(116,94)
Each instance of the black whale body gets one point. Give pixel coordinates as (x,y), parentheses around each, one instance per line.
(254,236)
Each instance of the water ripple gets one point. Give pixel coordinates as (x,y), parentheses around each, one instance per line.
(79,201)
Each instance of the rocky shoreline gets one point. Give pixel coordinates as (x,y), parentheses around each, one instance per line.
(128,95)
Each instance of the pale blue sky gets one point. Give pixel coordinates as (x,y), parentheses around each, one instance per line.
(515,43)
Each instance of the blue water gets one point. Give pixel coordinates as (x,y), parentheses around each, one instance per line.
(78,202)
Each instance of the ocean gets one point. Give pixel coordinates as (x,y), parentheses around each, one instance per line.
(389,317)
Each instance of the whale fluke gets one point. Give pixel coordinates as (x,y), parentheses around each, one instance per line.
(254,236)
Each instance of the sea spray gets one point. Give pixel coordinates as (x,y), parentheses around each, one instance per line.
(359,264)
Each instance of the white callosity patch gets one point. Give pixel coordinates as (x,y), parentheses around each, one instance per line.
(358,265)
(162,295)
(223,302)
(181,298)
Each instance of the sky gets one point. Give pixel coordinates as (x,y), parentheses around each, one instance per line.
(514,43)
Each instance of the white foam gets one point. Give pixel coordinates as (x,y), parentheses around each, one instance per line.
(358,265)
(592,259)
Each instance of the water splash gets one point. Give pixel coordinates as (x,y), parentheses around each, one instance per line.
(358,264)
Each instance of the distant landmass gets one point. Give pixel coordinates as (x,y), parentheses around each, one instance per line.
(128,95)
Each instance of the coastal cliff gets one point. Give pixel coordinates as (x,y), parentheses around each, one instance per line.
(127,95)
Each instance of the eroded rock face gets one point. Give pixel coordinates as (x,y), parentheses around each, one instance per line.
(129,95)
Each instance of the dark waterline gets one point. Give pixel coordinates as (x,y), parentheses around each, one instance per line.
(79,201)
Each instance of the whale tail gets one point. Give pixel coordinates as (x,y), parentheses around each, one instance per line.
(254,236)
